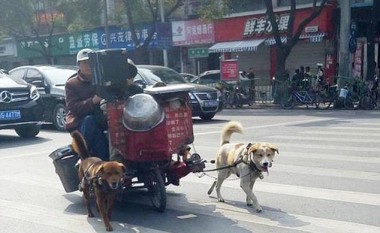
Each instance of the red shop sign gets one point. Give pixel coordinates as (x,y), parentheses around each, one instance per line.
(192,32)
(229,70)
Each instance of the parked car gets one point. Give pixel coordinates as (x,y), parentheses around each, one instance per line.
(20,106)
(204,100)
(212,78)
(188,77)
(50,81)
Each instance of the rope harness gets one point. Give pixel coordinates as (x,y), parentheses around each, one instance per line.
(95,181)
(240,159)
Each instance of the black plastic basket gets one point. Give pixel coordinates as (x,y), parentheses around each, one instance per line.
(64,160)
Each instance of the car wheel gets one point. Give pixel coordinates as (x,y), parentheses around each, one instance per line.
(206,116)
(59,117)
(28,131)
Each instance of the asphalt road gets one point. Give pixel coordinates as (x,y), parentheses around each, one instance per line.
(325,179)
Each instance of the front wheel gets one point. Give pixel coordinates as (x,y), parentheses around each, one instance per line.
(156,187)
(287,100)
(206,116)
(28,131)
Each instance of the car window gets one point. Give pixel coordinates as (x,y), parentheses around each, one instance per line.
(162,75)
(139,80)
(209,78)
(18,73)
(33,75)
(59,76)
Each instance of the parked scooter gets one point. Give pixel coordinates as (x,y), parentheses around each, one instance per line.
(237,98)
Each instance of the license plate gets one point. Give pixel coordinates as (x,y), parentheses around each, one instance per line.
(211,103)
(10,115)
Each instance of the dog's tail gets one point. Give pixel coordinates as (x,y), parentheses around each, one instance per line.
(229,129)
(79,145)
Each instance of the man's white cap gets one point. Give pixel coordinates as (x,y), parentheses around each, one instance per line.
(319,64)
(83,54)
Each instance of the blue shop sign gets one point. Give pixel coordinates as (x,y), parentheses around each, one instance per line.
(122,38)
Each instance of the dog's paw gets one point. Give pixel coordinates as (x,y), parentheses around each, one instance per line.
(249,204)
(109,228)
(220,199)
(259,209)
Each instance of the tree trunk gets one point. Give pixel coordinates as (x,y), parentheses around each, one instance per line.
(281,73)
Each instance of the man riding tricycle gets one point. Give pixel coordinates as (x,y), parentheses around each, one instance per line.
(149,132)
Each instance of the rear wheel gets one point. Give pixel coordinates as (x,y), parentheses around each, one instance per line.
(28,131)
(59,117)
(156,187)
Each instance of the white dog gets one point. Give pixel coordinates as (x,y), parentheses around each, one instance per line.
(246,161)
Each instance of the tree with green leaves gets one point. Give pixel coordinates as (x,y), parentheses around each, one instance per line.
(146,11)
(284,48)
(32,19)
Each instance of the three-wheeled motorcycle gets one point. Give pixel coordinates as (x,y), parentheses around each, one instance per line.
(149,132)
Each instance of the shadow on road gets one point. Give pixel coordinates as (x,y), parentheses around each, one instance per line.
(135,212)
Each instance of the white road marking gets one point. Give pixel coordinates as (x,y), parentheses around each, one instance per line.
(299,191)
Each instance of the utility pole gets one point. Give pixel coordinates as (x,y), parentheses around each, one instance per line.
(162,14)
(344,54)
(106,31)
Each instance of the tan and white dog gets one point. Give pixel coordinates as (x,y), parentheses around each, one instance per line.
(246,161)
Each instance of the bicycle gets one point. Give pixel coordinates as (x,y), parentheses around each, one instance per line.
(368,99)
(320,97)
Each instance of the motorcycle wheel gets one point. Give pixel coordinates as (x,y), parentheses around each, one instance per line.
(156,187)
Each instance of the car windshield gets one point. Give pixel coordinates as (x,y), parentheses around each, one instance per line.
(162,75)
(59,76)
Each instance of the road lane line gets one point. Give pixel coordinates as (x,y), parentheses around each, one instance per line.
(47,153)
(325,139)
(341,148)
(268,126)
(329,172)
(331,157)
(299,191)
(290,221)
(70,222)
(342,133)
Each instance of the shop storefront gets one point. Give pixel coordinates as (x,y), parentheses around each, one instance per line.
(192,38)
(249,39)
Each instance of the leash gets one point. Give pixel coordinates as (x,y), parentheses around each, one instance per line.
(240,160)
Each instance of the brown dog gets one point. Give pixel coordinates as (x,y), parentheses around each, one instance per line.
(246,161)
(103,178)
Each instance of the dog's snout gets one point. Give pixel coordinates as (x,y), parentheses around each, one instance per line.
(265,164)
(114,185)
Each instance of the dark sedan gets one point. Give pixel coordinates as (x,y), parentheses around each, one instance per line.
(20,106)
(50,81)
(204,100)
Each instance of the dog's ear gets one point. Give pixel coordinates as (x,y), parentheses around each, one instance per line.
(253,148)
(122,167)
(99,170)
(274,148)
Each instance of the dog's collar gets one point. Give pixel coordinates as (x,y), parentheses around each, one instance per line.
(250,163)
